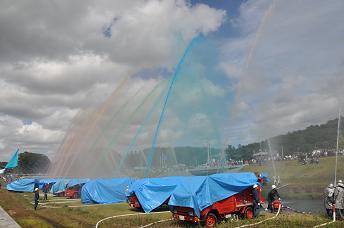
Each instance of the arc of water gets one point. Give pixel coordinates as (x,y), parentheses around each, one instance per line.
(171,85)
(138,132)
(273,162)
(88,128)
(108,124)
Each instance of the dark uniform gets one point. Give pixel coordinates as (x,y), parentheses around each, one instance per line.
(45,190)
(272,196)
(36,199)
(256,201)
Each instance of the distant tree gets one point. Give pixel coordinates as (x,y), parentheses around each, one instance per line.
(341,142)
(33,163)
(322,136)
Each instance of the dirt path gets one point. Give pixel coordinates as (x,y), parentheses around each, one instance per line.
(6,220)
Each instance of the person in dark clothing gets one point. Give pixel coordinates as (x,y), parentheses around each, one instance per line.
(36,197)
(256,201)
(272,196)
(45,190)
(329,200)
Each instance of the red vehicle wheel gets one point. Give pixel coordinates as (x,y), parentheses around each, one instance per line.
(211,220)
(75,196)
(248,213)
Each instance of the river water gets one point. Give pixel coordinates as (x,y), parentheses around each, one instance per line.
(313,206)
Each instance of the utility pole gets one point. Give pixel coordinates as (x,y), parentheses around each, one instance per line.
(335,167)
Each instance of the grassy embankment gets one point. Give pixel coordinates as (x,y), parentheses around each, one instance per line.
(19,206)
(304,181)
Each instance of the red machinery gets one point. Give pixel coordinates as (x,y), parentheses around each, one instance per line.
(73,192)
(276,204)
(134,202)
(238,205)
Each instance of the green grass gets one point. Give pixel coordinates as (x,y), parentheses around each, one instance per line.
(19,206)
(304,181)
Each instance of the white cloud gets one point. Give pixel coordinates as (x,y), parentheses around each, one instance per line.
(286,66)
(55,59)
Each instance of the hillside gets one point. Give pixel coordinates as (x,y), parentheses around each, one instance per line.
(303,181)
(322,136)
(29,163)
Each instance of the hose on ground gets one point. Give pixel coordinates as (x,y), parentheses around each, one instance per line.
(257,223)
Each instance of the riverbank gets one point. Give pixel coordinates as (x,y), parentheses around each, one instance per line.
(303,181)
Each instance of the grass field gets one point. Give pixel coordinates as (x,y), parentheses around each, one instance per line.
(60,212)
(305,181)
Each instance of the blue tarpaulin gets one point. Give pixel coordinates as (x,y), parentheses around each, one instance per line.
(153,192)
(13,162)
(201,192)
(197,192)
(45,181)
(59,186)
(22,185)
(73,182)
(105,191)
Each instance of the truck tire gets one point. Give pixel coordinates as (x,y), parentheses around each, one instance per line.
(248,213)
(210,220)
(75,195)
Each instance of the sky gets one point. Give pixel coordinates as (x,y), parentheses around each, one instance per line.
(284,61)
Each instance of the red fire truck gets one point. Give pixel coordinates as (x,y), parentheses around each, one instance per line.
(236,206)
(73,192)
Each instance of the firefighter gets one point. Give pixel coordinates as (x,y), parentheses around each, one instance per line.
(272,196)
(328,199)
(339,199)
(36,197)
(45,190)
(256,201)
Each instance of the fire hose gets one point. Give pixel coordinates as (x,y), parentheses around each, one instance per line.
(333,220)
(257,223)
(125,215)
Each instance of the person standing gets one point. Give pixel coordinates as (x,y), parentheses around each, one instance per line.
(272,196)
(256,201)
(328,199)
(45,190)
(339,199)
(36,198)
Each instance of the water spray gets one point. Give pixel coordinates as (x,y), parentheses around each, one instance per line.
(170,88)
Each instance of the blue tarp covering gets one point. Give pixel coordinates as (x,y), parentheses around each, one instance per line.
(43,182)
(59,186)
(197,192)
(47,181)
(105,191)
(201,192)
(22,185)
(152,192)
(73,182)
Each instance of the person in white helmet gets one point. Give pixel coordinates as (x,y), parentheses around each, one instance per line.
(339,199)
(272,196)
(36,198)
(328,199)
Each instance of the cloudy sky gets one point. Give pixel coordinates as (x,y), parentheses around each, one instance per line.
(284,59)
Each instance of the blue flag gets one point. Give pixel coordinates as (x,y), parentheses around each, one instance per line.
(13,162)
